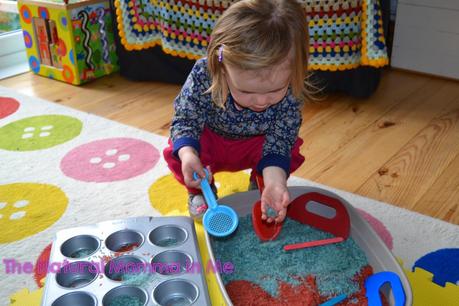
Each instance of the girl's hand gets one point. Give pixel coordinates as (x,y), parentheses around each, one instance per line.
(276,197)
(190,164)
(275,194)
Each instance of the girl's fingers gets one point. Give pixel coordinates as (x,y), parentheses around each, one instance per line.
(263,211)
(193,183)
(190,181)
(285,200)
(281,215)
(202,173)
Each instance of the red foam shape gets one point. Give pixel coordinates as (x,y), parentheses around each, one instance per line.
(264,230)
(41,266)
(339,226)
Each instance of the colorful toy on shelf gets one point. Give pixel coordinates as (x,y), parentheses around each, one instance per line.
(69,41)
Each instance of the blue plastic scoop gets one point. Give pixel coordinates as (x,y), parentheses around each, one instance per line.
(219,220)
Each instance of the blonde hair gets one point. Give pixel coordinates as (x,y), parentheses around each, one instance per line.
(257,34)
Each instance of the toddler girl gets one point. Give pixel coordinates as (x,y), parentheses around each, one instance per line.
(240,106)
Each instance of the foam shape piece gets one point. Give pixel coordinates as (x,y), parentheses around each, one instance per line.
(25,297)
(428,293)
(443,264)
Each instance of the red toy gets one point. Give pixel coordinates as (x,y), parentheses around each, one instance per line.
(264,230)
(310,244)
(339,225)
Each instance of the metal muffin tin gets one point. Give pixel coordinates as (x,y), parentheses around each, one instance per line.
(87,264)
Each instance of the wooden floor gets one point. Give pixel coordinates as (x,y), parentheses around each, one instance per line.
(400,146)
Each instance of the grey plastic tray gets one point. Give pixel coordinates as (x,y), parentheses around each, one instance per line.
(163,246)
(378,255)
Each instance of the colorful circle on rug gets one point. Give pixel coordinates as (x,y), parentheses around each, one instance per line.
(40,132)
(40,267)
(27,209)
(67,74)
(8,106)
(34,64)
(379,228)
(27,39)
(43,12)
(168,195)
(26,14)
(110,160)
(443,264)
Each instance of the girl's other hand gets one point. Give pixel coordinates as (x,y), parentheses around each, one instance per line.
(190,164)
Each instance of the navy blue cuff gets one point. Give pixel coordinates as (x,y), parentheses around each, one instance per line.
(277,160)
(185,142)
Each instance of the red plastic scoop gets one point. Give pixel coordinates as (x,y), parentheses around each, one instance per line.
(264,230)
(322,212)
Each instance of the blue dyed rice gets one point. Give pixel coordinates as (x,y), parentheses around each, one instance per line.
(138,279)
(82,253)
(125,300)
(168,242)
(271,212)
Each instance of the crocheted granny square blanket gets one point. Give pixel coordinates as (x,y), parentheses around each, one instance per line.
(343,34)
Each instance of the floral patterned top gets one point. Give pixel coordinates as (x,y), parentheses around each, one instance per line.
(194,109)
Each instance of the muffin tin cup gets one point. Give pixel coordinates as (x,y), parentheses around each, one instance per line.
(75,299)
(76,274)
(118,268)
(80,246)
(176,292)
(141,261)
(171,262)
(168,236)
(120,294)
(124,241)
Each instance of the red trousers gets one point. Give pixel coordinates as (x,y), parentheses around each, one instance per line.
(223,154)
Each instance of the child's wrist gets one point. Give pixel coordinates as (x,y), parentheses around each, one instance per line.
(183,152)
(274,176)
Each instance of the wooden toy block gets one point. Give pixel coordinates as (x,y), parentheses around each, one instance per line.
(40,30)
(45,54)
(53,31)
(55,58)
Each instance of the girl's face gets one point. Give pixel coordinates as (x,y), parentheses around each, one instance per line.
(258,89)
